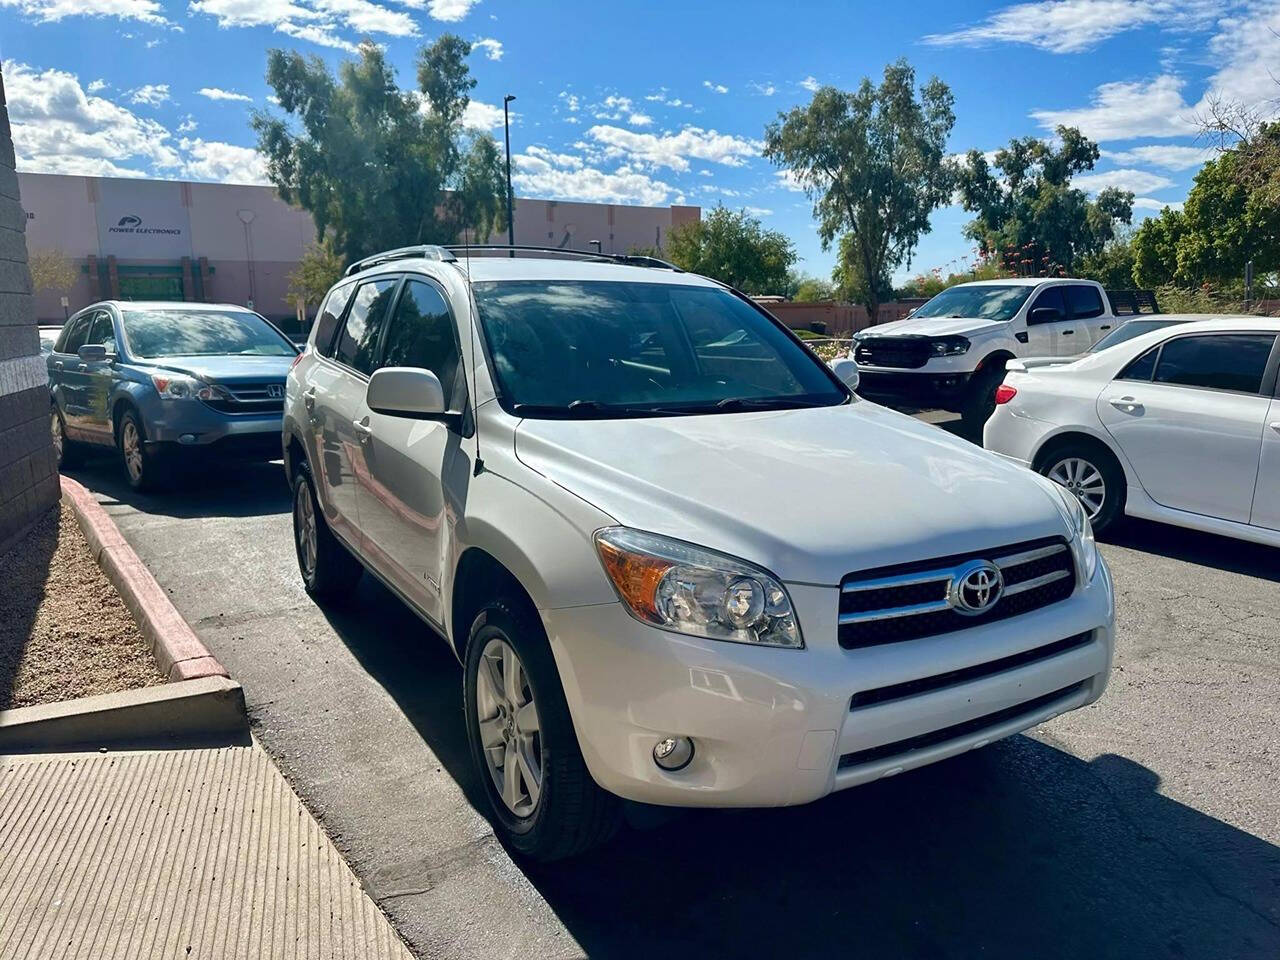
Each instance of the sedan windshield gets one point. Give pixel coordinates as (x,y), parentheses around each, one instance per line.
(1129,330)
(616,349)
(201,333)
(985,302)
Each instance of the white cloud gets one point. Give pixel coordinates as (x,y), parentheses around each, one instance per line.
(764,89)
(152,94)
(759,211)
(490,47)
(188,124)
(1125,110)
(222,162)
(1248,47)
(612,107)
(811,84)
(662,98)
(483,116)
(787,181)
(715,87)
(97,85)
(673,150)
(1148,203)
(316,21)
(1059,26)
(638,119)
(216,93)
(450,11)
(1135,181)
(541,173)
(365,17)
(51,11)
(321,35)
(1166,156)
(571,101)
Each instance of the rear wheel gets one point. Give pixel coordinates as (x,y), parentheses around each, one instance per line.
(145,466)
(542,799)
(1093,477)
(66,451)
(328,569)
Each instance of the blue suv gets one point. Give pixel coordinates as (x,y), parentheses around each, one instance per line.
(162,382)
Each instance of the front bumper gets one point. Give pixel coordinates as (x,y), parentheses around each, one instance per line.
(776,727)
(914,389)
(192,426)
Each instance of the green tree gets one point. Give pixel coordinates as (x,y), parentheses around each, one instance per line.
(873,161)
(851,279)
(317,271)
(51,270)
(807,289)
(733,247)
(377,166)
(1028,212)
(1112,266)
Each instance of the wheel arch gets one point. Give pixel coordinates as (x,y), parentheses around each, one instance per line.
(996,359)
(478,577)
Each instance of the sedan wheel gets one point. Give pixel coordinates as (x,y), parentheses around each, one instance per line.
(510,731)
(1084,480)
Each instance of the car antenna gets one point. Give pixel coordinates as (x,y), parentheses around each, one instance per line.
(471,327)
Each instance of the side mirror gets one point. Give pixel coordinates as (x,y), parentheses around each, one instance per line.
(847,370)
(1044,315)
(93,353)
(406,392)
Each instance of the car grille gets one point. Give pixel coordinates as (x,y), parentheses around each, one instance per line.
(907,352)
(251,398)
(909,601)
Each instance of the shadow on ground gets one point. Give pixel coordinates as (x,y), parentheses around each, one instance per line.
(1017,850)
(214,489)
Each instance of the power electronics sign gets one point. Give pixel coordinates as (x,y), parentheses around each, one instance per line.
(130,223)
(143,220)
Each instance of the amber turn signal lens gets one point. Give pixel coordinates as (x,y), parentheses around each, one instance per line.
(635,576)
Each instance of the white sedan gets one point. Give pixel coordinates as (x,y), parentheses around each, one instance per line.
(1180,425)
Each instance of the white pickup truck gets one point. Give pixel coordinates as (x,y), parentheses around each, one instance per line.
(951,352)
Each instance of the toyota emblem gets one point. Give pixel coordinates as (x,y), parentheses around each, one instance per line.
(975,588)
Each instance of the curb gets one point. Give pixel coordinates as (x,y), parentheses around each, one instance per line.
(207,711)
(177,650)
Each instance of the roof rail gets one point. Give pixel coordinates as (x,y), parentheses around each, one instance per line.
(429,251)
(634,260)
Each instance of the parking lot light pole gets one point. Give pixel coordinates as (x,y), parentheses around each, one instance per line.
(511,221)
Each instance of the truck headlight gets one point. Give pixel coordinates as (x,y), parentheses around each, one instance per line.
(949,346)
(677,586)
(1083,546)
(179,386)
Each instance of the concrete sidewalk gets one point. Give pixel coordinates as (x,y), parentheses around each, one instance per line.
(172,853)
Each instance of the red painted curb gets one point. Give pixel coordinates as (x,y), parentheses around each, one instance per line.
(177,650)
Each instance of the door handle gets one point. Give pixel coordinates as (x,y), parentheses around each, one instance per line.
(82,366)
(1105,326)
(57,364)
(1067,333)
(1127,404)
(1021,337)
(363,429)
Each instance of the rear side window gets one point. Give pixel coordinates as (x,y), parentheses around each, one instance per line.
(1141,368)
(1050,299)
(327,318)
(1084,302)
(74,334)
(421,335)
(358,343)
(1232,361)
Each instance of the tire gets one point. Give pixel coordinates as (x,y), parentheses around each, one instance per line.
(146,468)
(67,452)
(328,569)
(980,403)
(1093,476)
(570,814)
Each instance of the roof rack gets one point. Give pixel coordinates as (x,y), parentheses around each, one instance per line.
(629,259)
(429,251)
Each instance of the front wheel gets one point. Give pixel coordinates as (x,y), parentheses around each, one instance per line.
(980,403)
(542,798)
(145,467)
(1095,480)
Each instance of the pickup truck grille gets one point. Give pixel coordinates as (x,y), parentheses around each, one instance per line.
(906,352)
(924,599)
(251,398)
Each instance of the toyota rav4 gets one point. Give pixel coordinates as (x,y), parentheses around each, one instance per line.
(680,562)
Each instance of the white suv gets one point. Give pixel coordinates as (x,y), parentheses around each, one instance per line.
(681,563)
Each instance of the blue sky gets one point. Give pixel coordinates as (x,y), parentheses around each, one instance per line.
(659,103)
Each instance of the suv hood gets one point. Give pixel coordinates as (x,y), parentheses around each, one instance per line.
(224,369)
(933,327)
(809,494)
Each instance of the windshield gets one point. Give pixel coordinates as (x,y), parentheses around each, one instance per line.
(610,349)
(1129,330)
(986,302)
(192,333)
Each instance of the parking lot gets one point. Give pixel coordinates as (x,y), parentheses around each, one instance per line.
(1145,825)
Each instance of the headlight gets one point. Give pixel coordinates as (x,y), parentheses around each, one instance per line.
(680,587)
(178,386)
(1083,546)
(949,346)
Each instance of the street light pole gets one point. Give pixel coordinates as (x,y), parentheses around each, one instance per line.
(511,222)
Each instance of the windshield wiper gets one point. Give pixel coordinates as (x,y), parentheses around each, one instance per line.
(764,403)
(583,410)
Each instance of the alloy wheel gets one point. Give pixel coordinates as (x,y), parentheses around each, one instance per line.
(55,431)
(131,445)
(304,526)
(510,731)
(1084,480)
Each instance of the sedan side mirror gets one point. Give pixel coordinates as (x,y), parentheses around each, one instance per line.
(93,353)
(410,392)
(847,370)
(1045,315)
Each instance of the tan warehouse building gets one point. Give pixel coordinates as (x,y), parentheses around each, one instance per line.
(171,240)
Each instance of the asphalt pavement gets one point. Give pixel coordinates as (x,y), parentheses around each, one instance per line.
(1147,825)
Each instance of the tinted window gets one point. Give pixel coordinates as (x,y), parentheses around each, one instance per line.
(1084,302)
(613,349)
(1233,361)
(1053,300)
(1129,330)
(1141,368)
(203,333)
(74,334)
(103,331)
(987,301)
(421,335)
(358,343)
(327,318)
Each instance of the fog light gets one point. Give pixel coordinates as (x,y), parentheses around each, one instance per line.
(187,438)
(673,753)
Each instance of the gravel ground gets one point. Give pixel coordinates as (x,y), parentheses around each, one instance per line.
(64,631)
